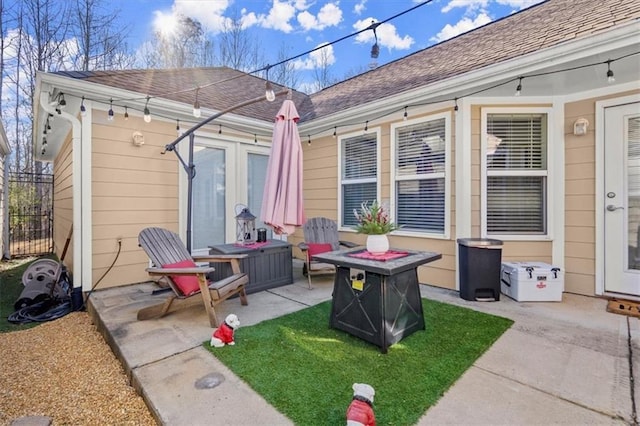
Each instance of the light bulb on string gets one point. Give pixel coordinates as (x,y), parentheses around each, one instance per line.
(126,114)
(196,106)
(405,115)
(309,139)
(269,94)
(519,88)
(178,127)
(366,125)
(110,113)
(255,138)
(63,102)
(147,114)
(610,76)
(83,109)
(334,132)
(455,107)
(219,129)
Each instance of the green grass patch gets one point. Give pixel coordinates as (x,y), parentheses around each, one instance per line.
(11,286)
(306,370)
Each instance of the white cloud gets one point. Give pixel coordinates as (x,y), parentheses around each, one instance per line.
(470,5)
(387,35)
(519,4)
(318,58)
(330,15)
(462,26)
(360,7)
(475,5)
(279,16)
(209,13)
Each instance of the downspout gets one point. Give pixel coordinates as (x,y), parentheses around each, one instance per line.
(77,217)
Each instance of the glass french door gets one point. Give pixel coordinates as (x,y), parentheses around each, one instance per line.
(208,213)
(622,199)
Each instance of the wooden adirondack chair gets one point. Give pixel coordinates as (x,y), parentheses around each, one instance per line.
(171,259)
(320,236)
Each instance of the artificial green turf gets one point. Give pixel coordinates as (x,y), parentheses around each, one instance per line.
(306,370)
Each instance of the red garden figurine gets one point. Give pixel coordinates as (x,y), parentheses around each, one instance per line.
(360,412)
(223,335)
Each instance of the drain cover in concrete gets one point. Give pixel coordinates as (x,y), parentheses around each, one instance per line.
(209,381)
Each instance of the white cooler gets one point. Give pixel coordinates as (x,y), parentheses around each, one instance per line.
(531,281)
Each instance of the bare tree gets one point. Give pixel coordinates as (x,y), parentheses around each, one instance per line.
(99,37)
(181,47)
(238,50)
(284,73)
(321,72)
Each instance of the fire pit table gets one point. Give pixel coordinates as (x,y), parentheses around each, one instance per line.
(383,304)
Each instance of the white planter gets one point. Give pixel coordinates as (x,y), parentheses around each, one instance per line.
(377,244)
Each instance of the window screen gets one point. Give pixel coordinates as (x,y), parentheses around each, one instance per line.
(516,174)
(359,173)
(420,176)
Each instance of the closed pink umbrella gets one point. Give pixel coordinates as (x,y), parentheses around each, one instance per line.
(282,204)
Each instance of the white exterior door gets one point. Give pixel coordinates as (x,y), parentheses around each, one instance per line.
(622,199)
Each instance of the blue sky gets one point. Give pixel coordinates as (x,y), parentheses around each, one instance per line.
(303,25)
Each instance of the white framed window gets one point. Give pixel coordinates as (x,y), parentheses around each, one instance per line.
(420,175)
(515,172)
(359,173)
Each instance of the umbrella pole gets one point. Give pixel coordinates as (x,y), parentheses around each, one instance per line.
(191,168)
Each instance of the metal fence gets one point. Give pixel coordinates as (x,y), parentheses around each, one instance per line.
(30,214)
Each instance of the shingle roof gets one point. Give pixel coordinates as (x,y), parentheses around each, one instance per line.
(541,26)
(231,87)
(547,24)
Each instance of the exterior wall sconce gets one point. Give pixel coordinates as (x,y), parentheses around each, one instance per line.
(580,127)
(137,138)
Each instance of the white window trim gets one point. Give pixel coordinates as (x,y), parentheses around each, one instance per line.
(549,111)
(341,139)
(446,173)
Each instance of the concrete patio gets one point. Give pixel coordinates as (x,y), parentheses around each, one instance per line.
(568,362)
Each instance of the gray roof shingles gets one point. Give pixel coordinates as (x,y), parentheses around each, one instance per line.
(544,25)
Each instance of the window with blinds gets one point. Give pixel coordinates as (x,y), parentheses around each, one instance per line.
(420,176)
(516,167)
(359,171)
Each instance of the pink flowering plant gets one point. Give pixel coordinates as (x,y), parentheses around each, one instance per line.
(373,219)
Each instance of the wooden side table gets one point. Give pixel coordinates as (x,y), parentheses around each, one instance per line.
(388,306)
(268,266)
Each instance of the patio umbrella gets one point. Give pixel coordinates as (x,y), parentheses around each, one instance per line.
(282,205)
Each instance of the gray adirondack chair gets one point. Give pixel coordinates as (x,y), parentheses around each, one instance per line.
(320,231)
(166,248)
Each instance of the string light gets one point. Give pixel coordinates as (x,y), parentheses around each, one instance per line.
(178,127)
(110,117)
(44,141)
(375,49)
(406,115)
(309,141)
(610,77)
(62,102)
(83,109)
(126,114)
(519,88)
(269,94)
(147,114)
(219,129)
(335,129)
(196,106)
(255,138)
(455,108)
(366,126)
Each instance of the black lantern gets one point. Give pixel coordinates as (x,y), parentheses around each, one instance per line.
(245,227)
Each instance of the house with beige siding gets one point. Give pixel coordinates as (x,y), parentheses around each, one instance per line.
(4,194)
(525,130)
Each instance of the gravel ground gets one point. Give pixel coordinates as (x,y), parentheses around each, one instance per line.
(64,370)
